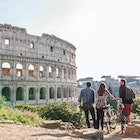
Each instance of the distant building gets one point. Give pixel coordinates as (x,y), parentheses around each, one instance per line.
(132,81)
(113,83)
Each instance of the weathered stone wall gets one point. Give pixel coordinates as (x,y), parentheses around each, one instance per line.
(133,128)
(36,69)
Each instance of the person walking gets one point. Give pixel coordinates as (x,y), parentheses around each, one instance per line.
(87,98)
(127,103)
(102,94)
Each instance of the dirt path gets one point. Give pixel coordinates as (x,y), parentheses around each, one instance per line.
(117,135)
(21,132)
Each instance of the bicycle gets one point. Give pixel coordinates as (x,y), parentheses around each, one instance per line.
(121,118)
(76,121)
(110,118)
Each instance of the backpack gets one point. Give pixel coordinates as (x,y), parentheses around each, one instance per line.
(129,93)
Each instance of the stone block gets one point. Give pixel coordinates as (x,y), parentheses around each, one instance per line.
(137,128)
(90,133)
(52,124)
(132,129)
(136,121)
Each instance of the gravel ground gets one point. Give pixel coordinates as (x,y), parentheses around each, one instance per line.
(22,132)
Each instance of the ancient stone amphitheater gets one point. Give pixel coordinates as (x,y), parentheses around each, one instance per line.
(35,69)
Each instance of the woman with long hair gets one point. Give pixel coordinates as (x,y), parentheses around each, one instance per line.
(102,94)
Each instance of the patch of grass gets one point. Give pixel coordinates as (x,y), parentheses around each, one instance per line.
(2,102)
(51,111)
(31,114)
(25,117)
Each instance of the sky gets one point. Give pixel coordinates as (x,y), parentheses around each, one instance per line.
(106,33)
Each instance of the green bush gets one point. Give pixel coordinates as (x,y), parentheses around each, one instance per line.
(31,114)
(136,106)
(52,111)
(57,111)
(31,108)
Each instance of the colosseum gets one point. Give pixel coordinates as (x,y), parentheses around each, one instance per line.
(36,69)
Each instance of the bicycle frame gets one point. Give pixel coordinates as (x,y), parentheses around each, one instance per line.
(121,116)
(110,118)
(76,121)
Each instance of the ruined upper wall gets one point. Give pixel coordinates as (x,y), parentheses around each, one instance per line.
(17,42)
(5,27)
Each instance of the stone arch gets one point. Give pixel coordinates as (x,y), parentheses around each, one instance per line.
(69,92)
(32,45)
(58,72)
(6,69)
(7,41)
(42,93)
(64,73)
(32,93)
(65,92)
(58,92)
(51,69)
(6,93)
(51,93)
(73,74)
(19,93)
(69,73)
(31,70)
(41,71)
(19,69)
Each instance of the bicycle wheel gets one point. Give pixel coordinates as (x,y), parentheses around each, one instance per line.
(76,121)
(113,119)
(123,123)
(122,126)
(106,124)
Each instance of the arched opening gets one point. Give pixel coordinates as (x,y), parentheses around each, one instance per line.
(64,73)
(73,74)
(7,41)
(6,69)
(50,72)
(19,94)
(69,74)
(19,70)
(58,92)
(41,71)
(57,72)
(32,45)
(70,92)
(31,94)
(6,93)
(51,49)
(51,93)
(31,71)
(42,93)
(65,92)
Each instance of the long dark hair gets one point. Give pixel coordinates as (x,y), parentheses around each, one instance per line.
(101,89)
